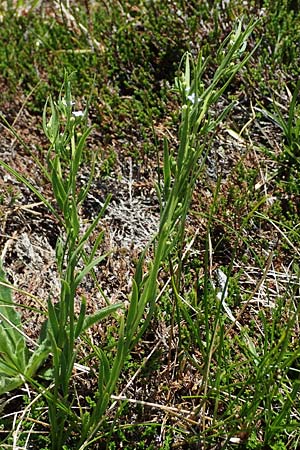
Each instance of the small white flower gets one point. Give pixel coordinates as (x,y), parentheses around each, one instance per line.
(192,98)
(65,103)
(78,113)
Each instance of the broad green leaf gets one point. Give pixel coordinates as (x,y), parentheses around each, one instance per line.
(9,383)
(12,342)
(7,368)
(37,358)
(15,364)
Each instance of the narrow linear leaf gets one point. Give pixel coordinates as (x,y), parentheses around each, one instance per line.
(166,170)
(88,268)
(53,319)
(132,311)
(23,180)
(81,317)
(90,320)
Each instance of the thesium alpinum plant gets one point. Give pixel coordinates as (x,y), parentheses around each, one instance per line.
(243,380)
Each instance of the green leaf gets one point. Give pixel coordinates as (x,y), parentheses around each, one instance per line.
(105,368)
(166,170)
(99,315)
(118,360)
(37,358)
(85,189)
(79,149)
(57,184)
(81,317)
(51,128)
(53,319)
(12,341)
(9,383)
(132,311)
(7,368)
(23,180)
(15,364)
(87,269)
(92,227)
(187,74)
